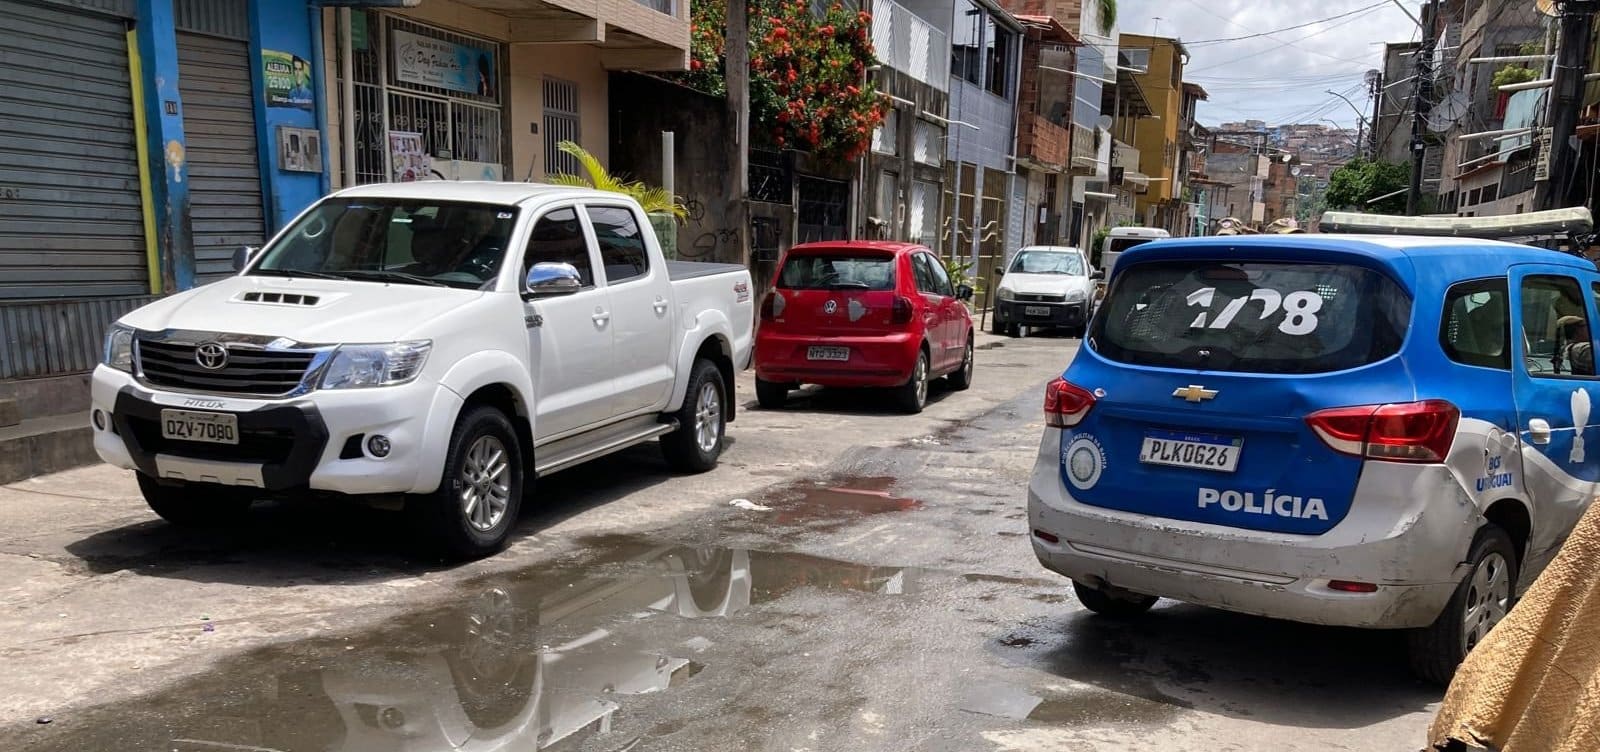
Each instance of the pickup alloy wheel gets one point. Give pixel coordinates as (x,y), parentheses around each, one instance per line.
(472,512)
(702,422)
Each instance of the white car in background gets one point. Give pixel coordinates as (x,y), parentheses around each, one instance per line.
(1045,287)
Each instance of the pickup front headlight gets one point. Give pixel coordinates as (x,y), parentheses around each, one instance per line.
(391,364)
(1074,296)
(1006,293)
(118,351)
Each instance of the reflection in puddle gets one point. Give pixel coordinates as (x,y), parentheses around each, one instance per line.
(538,659)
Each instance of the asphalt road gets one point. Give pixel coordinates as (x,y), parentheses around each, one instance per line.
(872,589)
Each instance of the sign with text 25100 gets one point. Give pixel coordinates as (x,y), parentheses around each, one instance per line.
(445,65)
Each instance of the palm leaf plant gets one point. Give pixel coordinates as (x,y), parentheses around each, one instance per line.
(654,199)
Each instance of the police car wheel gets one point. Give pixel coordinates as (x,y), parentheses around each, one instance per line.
(1113,604)
(1482,599)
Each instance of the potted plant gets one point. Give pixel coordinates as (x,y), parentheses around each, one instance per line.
(663,209)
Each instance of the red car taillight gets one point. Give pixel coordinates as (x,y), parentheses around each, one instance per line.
(771,305)
(1407,432)
(1065,404)
(902,311)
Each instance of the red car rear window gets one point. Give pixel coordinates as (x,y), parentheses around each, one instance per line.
(837,272)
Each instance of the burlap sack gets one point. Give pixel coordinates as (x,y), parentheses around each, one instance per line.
(1533,685)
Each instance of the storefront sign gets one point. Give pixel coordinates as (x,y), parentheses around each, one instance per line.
(408,160)
(446,65)
(288,80)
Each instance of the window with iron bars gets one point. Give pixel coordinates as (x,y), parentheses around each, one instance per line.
(453,125)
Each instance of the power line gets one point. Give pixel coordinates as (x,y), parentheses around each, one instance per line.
(1260,34)
(1238,25)
(1320,32)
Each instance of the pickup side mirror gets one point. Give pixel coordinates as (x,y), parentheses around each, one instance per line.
(1000,271)
(964,292)
(1097,274)
(549,279)
(242,257)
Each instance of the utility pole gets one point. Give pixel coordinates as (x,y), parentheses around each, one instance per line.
(736,51)
(1421,99)
(1566,98)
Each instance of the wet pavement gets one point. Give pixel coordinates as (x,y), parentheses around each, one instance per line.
(883,599)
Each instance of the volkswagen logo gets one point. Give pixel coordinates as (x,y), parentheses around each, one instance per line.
(212,356)
(830,307)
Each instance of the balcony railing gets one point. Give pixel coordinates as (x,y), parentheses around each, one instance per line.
(910,45)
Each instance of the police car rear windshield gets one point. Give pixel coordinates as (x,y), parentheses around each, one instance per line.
(1266,317)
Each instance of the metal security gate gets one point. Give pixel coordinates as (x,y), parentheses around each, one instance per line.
(223,168)
(71,221)
(560,124)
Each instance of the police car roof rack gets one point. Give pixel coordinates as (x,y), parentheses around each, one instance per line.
(1576,223)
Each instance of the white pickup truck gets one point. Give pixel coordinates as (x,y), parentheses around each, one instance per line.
(440,342)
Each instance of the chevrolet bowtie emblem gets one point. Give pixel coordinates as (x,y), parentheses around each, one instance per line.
(1194,393)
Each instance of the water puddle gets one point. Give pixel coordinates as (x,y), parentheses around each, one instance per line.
(1076,705)
(836,503)
(538,659)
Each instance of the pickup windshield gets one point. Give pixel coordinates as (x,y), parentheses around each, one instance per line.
(402,241)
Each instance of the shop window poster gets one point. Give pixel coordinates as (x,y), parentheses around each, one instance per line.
(288,80)
(426,61)
(407,157)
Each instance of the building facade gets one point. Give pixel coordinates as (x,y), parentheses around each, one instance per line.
(1157,138)
(904,185)
(143,142)
(1044,129)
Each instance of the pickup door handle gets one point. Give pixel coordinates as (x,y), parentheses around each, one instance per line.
(661,305)
(1539,431)
(601,317)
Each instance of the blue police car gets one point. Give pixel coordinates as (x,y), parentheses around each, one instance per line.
(1386,432)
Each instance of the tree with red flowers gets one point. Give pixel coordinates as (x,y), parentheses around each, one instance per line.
(808,85)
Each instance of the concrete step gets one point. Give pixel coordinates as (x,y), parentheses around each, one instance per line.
(37,446)
(10,413)
(41,398)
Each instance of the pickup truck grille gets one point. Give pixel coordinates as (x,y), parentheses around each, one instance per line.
(248,370)
(1030,298)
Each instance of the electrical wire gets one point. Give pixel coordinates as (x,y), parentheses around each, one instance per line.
(1238,25)
(1291,43)
(1259,34)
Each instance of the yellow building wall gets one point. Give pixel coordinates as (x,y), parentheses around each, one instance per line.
(1163,87)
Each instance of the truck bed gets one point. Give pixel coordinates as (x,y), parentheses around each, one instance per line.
(678,271)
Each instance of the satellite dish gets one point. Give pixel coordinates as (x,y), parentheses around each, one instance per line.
(1295,170)
(1547,7)
(1106,121)
(1448,112)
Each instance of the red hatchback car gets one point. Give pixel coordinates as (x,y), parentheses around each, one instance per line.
(863,314)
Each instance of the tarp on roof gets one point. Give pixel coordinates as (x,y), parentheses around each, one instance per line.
(1534,683)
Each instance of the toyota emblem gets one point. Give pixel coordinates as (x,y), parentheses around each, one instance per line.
(212,356)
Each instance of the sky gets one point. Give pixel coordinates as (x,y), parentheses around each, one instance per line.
(1284,77)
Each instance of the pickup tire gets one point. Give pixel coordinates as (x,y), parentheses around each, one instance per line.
(912,397)
(771,394)
(197,505)
(702,422)
(473,511)
(1483,598)
(961,379)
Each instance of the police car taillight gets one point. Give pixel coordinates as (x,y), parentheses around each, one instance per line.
(1065,404)
(1406,432)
